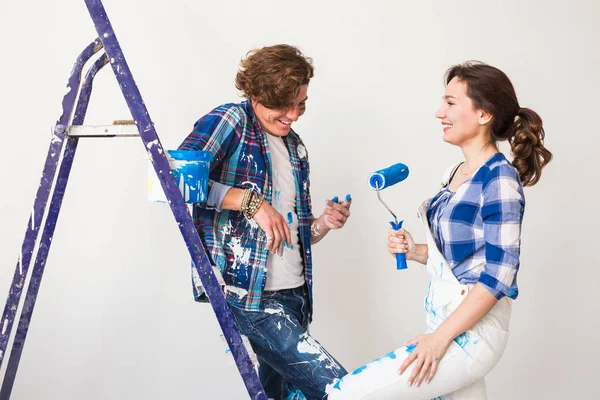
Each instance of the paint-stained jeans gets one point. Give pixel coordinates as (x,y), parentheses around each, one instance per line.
(292,365)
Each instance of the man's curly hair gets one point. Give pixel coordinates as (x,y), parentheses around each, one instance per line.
(272,75)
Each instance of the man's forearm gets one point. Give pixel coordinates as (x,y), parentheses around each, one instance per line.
(232,199)
(318,229)
(217,194)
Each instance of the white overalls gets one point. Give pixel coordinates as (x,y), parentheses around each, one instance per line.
(461,372)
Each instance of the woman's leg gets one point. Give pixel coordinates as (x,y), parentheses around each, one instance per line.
(380,380)
(475,391)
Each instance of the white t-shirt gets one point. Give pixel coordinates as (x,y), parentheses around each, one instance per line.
(287,271)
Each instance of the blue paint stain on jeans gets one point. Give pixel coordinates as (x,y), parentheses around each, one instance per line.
(294,394)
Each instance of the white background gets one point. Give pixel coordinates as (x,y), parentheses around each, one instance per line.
(115,317)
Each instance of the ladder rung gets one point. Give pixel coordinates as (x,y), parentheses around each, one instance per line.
(103,131)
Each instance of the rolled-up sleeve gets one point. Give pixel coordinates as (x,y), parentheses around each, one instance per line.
(216,195)
(502,214)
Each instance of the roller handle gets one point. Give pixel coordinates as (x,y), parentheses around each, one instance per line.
(400,257)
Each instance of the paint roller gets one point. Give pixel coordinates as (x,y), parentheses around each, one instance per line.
(382,179)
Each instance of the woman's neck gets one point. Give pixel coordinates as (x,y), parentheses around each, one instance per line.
(477,154)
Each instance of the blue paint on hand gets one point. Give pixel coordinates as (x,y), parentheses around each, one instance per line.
(335,199)
(348,197)
(290,218)
(409,349)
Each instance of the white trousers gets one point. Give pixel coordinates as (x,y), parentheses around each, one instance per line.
(470,357)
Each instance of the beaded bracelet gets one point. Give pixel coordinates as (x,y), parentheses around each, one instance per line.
(245,200)
(251,202)
(253,205)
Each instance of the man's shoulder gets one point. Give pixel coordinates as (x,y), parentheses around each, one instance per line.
(233,112)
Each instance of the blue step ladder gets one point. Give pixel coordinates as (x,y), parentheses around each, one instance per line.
(67,131)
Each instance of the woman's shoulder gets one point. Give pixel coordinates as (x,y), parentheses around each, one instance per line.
(500,181)
(498,167)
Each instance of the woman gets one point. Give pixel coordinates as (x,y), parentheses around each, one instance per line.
(473,228)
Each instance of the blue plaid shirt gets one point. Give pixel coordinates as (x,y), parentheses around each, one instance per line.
(237,246)
(478,227)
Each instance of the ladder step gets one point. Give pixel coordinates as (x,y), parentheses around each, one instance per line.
(116,130)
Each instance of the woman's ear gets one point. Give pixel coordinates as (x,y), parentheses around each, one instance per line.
(484,117)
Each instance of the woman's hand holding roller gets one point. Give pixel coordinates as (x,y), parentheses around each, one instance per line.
(401,241)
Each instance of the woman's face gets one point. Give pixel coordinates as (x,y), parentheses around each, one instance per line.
(461,122)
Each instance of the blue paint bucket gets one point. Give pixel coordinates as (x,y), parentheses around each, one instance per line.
(190,169)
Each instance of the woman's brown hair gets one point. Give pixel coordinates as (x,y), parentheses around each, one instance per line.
(491,91)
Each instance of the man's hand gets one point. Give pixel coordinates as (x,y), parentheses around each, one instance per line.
(274,226)
(336,214)
(334,217)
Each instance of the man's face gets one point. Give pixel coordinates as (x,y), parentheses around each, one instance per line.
(278,122)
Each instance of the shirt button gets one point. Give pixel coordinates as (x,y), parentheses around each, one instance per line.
(462,292)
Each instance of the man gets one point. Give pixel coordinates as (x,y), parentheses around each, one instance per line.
(258,226)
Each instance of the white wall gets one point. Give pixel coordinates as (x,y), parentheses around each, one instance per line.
(115,316)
